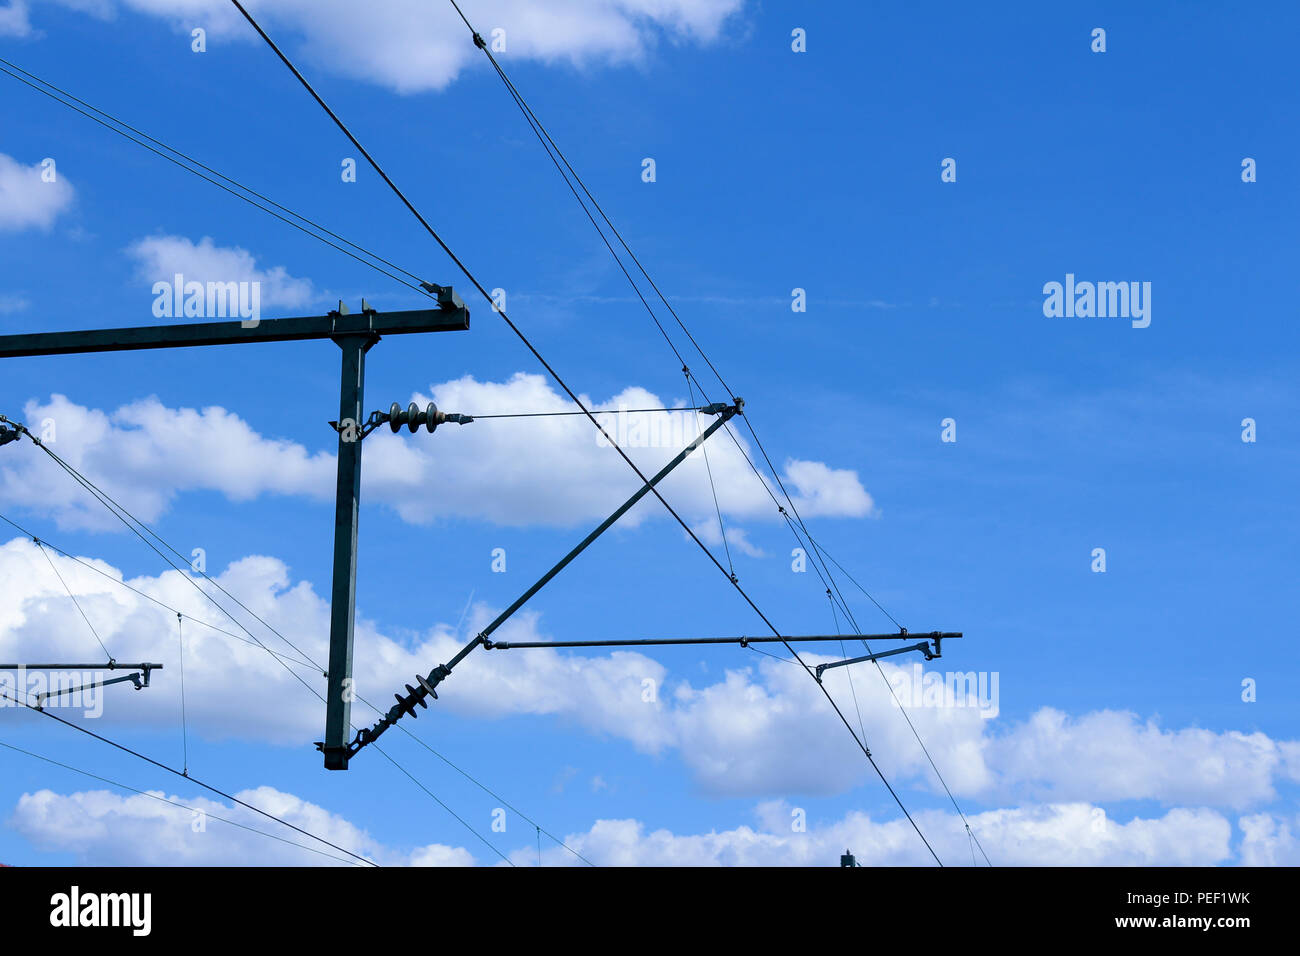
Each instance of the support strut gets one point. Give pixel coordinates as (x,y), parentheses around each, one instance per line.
(427,684)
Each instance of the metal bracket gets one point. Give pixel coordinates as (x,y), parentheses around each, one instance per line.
(923,647)
(448,300)
(140,680)
(15,431)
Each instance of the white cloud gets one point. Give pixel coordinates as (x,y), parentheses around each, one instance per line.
(760,731)
(736,538)
(520,472)
(412,45)
(99,9)
(143,455)
(13,303)
(235,689)
(100,827)
(553,470)
(1111,755)
(1039,835)
(161,258)
(1269,840)
(14,19)
(26,199)
(103,828)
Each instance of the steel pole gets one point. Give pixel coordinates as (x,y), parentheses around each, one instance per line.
(343,602)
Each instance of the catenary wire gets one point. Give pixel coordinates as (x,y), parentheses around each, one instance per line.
(114,507)
(173,803)
(80,609)
(184,776)
(552,149)
(164,152)
(573,396)
(150,597)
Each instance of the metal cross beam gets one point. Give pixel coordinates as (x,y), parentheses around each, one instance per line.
(935,636)
(369,322)
(110,666)
(355,335)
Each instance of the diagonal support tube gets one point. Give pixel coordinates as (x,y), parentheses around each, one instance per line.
(923,647)
(140,684)
(417,695)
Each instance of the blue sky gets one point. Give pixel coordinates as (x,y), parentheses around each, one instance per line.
(775,170)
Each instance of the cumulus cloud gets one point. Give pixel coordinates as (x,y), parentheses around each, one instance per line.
(234,688)
(762,730)
(27,200)
(1114,755)
(143,455)
(14,19)
(1270,840)
(101,827)
(518,472)
(161,258)
(1039,835)
(410,46)
(555,471)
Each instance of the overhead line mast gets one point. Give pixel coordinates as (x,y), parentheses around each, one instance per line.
(355,335)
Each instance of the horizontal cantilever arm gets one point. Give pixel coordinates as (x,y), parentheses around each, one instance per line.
(793,639)
(235,332)
(417,695)
(110,666)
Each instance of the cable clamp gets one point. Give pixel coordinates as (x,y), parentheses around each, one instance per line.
(478,41)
